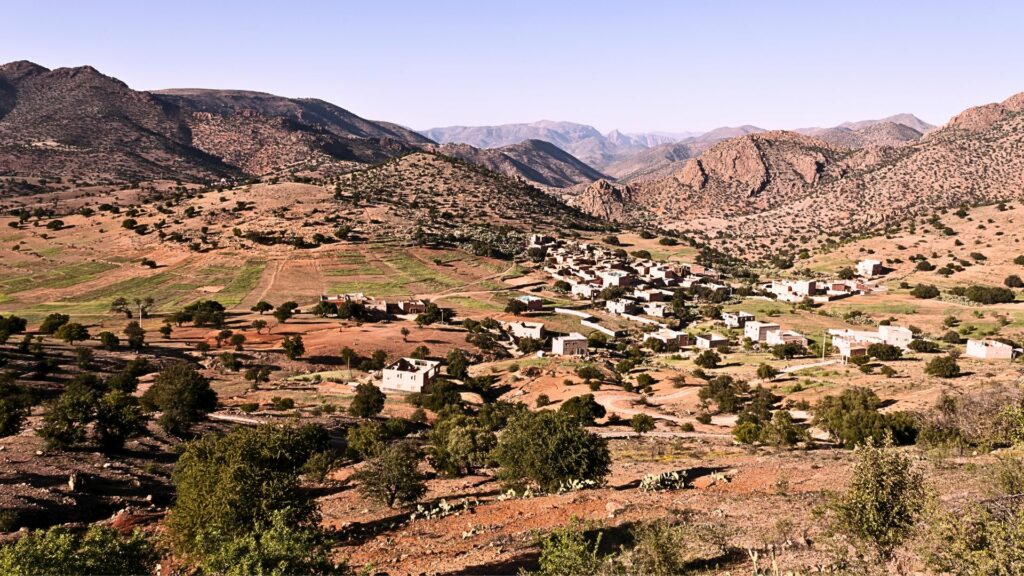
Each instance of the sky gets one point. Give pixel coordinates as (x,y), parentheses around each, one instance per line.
(631,65)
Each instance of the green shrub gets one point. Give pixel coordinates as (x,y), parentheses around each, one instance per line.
(546,448)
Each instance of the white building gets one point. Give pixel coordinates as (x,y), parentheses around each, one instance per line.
(656,309)
(777,337)
(990,350)
(620,306)
(758,331)
(736,319)
(869,268)
(525,329)
(409,374)
(892,335)
(610,278)
(572,345)
(711,341)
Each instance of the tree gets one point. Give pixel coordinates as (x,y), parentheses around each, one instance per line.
(282,314)
(405,334)
(72,332)
(258,325)
(846,273)
(368,401)
(135,335)
(885,352)
(789,350)
(118,417)
(143,305)
(883,500)
(641,423)
(942,367)
(237,341)
(120,305)
(293,346)
(230,486)
(458,364)
(516,306)
(13,413)
(262,307)
(767,372)
(67,418)
(221,336)
(182,395)
(925,291)
(393,477)
(420,353)
(109,340)
(460,444)
(166,331)
(99,550)
(53,322)
(582,409)
(921,345)
(546,448)
(852,418)
(707,359)
(10,325)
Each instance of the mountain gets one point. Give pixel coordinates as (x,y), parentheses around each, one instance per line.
(584,142)
(79,123)
(779,190)
(908,120)
(536,161)
(654,162)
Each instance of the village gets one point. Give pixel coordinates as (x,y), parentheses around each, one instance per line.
(658,306)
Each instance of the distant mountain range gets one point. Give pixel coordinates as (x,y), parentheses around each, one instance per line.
(636,155)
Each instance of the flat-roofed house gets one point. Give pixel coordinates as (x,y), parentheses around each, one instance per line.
(736,319)
(525,329)
(777,337)
(990,350)
(710,341)
(620,306)
(573,344)
(758,331)
(869,268)
(409,374)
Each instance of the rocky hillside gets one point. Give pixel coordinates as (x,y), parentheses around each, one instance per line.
(76,123)
(439,193)
(535,161)
(782,189)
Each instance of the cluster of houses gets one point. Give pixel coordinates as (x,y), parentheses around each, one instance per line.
(765,333)
(590,268)
(852,343)
(379,305)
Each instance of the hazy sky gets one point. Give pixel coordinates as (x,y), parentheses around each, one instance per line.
(673,66)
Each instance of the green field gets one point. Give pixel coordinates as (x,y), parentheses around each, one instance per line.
(171,288)
(56,277)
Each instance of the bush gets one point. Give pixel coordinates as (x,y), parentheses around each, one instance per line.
(925,291)
(459,444)
(924,346)
(229,486)
(52,322)
(708,359)
(368,401)
(942,367)
(393,477)
(853,418)
(989,294)
(99,550)
(641,423)
(885,352)
(182,395)
(1013,281)
(582,409)
(883,500)
(275,548)
(567,552)
(546,449)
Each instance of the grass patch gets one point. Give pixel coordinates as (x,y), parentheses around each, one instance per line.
(61,276)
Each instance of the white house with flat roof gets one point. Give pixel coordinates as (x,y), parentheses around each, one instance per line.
(409,374)
(758,331)
(990,350)
(525,329)
(869,268)
(710,341)
(574,344)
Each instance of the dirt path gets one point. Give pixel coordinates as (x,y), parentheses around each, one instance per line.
(267,280)
(807,366)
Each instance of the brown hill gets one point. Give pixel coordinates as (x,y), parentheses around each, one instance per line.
(76,122)
(763,191)
(535,161)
